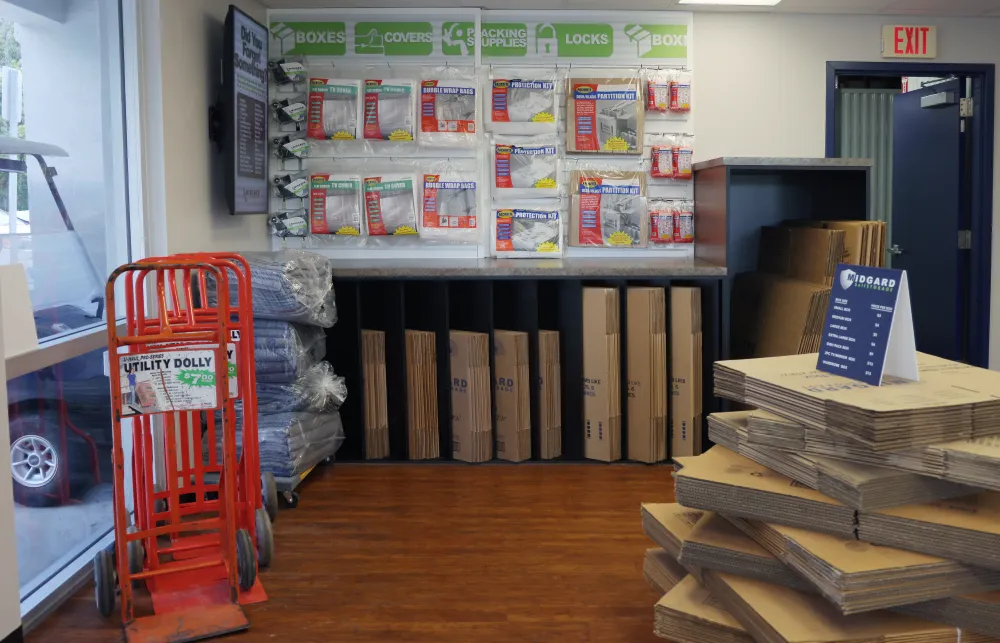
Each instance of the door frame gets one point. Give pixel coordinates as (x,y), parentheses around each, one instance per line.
(980,260)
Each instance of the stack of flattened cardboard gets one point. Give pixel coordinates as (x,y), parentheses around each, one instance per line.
(864,241)
(602,416)
(689,612)
(778,316)
(685,371)
(860,486)
(669,524)
(647,372)
(376,405)
(421,395)
(860,577)
(513,408)
(550,393)
(973,613)
(471,418)
(726,482)
(806,254)
(951,401)
(661,570)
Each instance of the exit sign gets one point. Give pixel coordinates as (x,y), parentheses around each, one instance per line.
(909,41)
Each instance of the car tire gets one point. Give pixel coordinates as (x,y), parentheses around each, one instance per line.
(38,463)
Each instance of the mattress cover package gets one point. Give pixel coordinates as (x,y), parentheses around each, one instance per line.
(527,168)
(523,104)
(389,109)
(334,109)
(527,232)
(604,116)
(390,204)
(609,209)
(448,109)
(450,205)
(335,204)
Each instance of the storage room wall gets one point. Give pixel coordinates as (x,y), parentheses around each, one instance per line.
(761,85)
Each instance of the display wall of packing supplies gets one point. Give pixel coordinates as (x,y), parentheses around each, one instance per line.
(368,113)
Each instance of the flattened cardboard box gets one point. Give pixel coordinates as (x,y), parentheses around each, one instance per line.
(804,254)
(661,570)
(421,395)
(778,315)
(689,612)
(601,375)
(471,423)
(550,393)
(376,403)
(685,371)
(513,406)
(647,366)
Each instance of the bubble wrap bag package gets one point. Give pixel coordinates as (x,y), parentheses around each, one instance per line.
(335,205)
(448,109)
(604,116)
(390,204)
(520,232)
(523,103)
(334,109)
(609,208)
(525,167)
(450,205)
(389,110)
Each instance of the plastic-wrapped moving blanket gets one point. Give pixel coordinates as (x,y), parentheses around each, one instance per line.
(290,285)
(291,443)
(317,390)
(284,351)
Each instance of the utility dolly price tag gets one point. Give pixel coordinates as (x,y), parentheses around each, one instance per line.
(179,380)
(868,332)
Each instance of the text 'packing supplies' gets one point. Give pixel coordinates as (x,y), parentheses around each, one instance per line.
(448,108)
(335,205)
(523,103)
(604,116)
(609,208)
(450,205)
(525,167)
(334,109)
(389,110)
(527,232)
(390,204)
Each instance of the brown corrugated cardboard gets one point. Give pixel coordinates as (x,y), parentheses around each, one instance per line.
(601,374)
(804,254)
(550,393)
(471,423)
(513,407)
(778,316)
(690,613)
(647,365)
(421,395)
(976,613)
(376,405)
(685,371)
(661,570)
(669,524)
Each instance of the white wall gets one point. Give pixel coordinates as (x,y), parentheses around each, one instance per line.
(190,195)
(761,86)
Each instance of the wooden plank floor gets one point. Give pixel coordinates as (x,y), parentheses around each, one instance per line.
(447,553)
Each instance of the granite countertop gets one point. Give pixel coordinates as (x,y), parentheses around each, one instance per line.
(500,268)
(782,161)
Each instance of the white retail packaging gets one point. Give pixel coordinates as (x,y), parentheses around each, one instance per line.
(390,204)
(523,102)
(609,208)
(525,167)
(450,205)
(527,231)
(449,108)
(389,109)
(335,205)
(334,109)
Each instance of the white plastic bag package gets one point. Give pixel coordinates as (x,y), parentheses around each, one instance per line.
(389,110)
(523,101)
(527,229)
(450,204)
(608,208)
(449,108)
(658,82)
(334,109)
(390,204)
(662,213)
(335,205)
(525,167)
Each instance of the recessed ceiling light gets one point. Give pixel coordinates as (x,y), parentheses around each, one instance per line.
(744,3)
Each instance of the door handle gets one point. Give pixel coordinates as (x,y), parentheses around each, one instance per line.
(894,250)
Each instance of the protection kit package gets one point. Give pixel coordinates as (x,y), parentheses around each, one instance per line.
(527,232)
(290,110)
(390,204)
(450,206)
(448,106)
(334,109)
(290,223)
(525,167)
(389,107)
(523,104)
(609,209)
(603,115)
(335,205)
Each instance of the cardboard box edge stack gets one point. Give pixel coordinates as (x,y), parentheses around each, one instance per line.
(376,403)
(421,395)
(471,413)
(513,401)
(647,366)
(685,371)
(550,393)
(601,375)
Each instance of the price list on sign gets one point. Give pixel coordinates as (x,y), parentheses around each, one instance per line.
(869,326)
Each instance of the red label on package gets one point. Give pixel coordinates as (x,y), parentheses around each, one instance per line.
(662,166)
(317,204)
(314,116)
(434,216)
(430,91)
(591,233)
(683,162)
(684,224)
(585,117)
(372,128)
(501,162)
(499,101)
(661,222)
(373,207)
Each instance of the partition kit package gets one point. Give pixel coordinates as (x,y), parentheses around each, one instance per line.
(524,105)
(334,109)
(448,112)
(449,203)
(390,204)
(526,232)
(604,115)
(389,109)
(527,169)
(609,209)
(335,204)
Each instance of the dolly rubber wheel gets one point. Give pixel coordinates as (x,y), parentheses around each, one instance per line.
(265,538)
(292,499)
(246,561)
(270,494)
(105,586)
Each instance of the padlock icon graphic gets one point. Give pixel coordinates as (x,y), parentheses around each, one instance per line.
(546,42)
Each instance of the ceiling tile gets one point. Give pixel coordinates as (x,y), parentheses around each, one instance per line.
(942,7)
